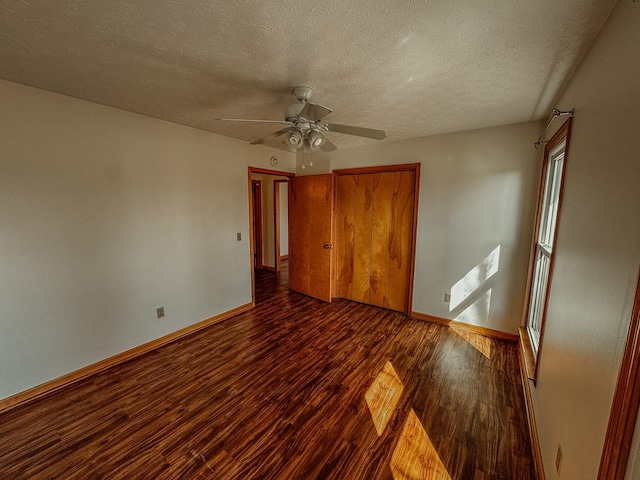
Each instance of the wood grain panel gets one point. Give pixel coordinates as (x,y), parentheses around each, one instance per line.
(415,457)
(345,232)
(363,218)
(377,169)
(278,392)
(311,227)
(400,239)
(380,236)
(383,396)
(385,214)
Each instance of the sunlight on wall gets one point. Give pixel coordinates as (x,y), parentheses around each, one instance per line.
(415,457)
(478,312)
(481,343)
(474,279)
(383,396)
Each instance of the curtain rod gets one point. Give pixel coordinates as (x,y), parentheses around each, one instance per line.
(554,113)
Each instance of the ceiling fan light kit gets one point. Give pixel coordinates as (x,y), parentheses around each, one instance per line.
(316,140)
(295,139)
(305,126)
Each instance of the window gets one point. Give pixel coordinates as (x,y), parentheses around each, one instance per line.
(544,243)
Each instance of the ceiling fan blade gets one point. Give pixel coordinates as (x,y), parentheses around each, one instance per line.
(270,137)
(358,131)
(248,120)
(327,146)
(314,112)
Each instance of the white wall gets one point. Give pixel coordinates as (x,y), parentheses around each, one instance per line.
(477,197)
(284,219)
(598,251)
(106,215)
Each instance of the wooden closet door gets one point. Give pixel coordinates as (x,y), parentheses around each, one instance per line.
(380,234)
(374,237)
(353,236)
(401,239)
(345,231)
(363,204)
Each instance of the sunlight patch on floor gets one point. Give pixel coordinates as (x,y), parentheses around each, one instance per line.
(383,396)
(481,343)
(415,457)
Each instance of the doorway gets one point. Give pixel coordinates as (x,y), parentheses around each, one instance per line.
(268,212)
(281,219)
(256,228)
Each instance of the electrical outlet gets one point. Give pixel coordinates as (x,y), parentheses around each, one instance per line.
(160,312)
(559,459)
(447,297)
(239,236)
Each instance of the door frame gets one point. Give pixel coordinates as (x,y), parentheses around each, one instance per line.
(415,167)
(256,223)
(265,171)
(626,404)
(276,217)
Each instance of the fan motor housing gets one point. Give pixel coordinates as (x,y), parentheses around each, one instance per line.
(292,112)
(303,93)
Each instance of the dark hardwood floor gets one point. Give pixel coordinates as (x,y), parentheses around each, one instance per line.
(293,389)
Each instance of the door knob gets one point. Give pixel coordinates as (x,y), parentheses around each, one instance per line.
(327,246)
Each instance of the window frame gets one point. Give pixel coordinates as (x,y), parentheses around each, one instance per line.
(532,353)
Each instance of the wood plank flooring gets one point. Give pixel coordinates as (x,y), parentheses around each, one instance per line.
(279,393)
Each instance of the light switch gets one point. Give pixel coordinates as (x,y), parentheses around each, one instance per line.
(239,236)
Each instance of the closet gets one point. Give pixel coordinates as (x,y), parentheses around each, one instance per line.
(374,242)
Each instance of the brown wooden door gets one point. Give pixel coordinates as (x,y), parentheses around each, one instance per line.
(311,235)
(374,237)
(353,236)
(401,239)
(380,236)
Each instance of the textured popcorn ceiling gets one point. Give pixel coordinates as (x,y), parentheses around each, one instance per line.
(412,68)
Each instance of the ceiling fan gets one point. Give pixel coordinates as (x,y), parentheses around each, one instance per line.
(305,127)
